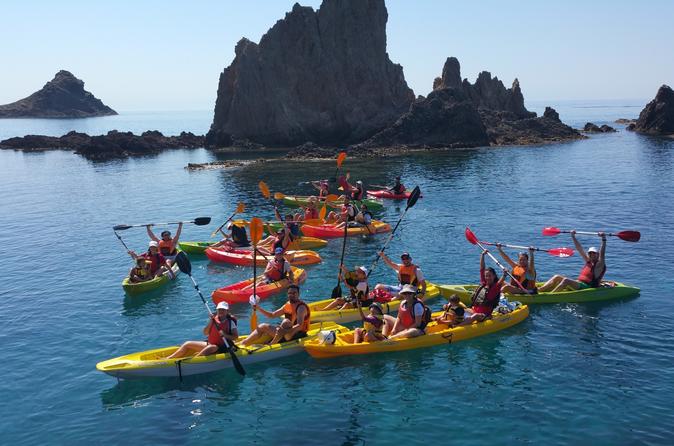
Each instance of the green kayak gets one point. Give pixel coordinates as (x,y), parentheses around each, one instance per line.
(297,201)
(194,247)
(608,291)
(135,289)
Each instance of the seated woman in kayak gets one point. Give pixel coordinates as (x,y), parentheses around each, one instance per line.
(364,216)
(486,296)
(158,264)
(311,209)
(141,272)
(373,325)
(347,213)
(237,238)
(270,244)
(322,187)
(291,224)
(413,315)
(590,276)
(359,290)
(524,271)
(167,244)
(219,326)
(454,312)
(398,188)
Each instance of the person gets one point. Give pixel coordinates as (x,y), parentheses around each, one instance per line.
(398,188)
(168,246)
(323,188)
(347,213)
(373,324)
(364,216)
(408,273)
(295,325)
(158,263)
(357,192)
(524,271)
(141,271)
(237,238)
(590,276)
(277,269)
(291,225)
(310,211)
(220,325)
(454,312)
(486,296)
(270,244)
(412,314)
(359,290)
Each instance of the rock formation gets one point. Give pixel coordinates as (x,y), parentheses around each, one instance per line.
(591,127)
(657,118)
(321,76)
(103,147)
(62,97)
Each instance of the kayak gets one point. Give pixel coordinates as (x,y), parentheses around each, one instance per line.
(331,230)
(236,294)
(298,201)
(245,257)
(436,334)
(298,243)
(612,290)
(194,247)
(153,363)
(352,314)
(137,288)
(385,193)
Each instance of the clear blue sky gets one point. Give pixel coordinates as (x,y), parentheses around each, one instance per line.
(167,55)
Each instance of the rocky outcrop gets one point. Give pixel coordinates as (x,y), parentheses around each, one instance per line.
(551,114)
(103,147)
(321,76)
(657,118)
(594,128)
(62,97)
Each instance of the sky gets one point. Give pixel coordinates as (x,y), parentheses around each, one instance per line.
(168,55)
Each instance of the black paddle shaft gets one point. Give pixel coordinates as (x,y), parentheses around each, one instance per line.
(337,290)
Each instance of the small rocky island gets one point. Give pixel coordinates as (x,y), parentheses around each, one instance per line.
(657,118)
(62,97)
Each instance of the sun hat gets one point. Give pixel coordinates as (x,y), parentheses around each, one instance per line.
(593,249)
(153,243)
(222,306)
(407,288)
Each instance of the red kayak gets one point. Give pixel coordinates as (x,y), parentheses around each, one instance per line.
(245,257)
(385,193)
(332,231)
(236,293)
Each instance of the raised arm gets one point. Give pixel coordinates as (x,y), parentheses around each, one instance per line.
(151,234)
(177,236)
(484,253)
(532,266)
(277,214)
(579,247)
(602,248)
(505,256)
(388,261)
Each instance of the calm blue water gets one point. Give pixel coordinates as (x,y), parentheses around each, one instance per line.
(600,373)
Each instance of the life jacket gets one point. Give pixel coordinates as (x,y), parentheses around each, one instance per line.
(310,214)
(407,315)
(214,336)
(408,275)
(157,261)
(290,312)
(587,274)
(357,193)
(278,243)
(239,236)
(377,327)
(349,211)
(358,294)
(143,273)
(486,298)
(278,271)
(521,274)
(398,188)
(167,247)
(458,313)
(294,229)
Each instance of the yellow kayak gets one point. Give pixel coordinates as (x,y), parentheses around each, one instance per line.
(352,314)
(153,363)
(436,334)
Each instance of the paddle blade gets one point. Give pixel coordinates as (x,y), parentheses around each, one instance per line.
(264,189)
(240,207)
(551,230)
(336,292)
(184,263)
(322,212)
(340,158)
(629,236)
(561,252)
(121,227)
(202,221)
(253,320)
(414,196)
(256,229)
(332,197)
(279,196)
(470,236)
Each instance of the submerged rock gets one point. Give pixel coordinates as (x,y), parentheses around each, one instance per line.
(321,76)
(62,97)
(657,118)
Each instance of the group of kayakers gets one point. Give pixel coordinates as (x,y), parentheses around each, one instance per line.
(159,257)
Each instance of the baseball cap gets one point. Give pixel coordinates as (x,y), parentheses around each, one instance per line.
(407,288)
(593,249)
(278,251)
(363,269)
(222,306)
(405,254)
(153,243)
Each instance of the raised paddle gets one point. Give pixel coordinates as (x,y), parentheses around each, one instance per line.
(555,252)
(628,236)
(240,207)
(120,239)
(340,160)
(337,290)
(186,267)
(256,229)
(411,201)
(199,221)
(264,189)
(470,236)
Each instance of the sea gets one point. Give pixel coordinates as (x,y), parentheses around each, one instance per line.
(594,373)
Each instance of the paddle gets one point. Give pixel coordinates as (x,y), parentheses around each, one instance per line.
(239,209)
(340,160)
(186,267)
(555,252)
(470,236)
(322,212)
(337,290)
(628,236)
(411,201)
(199,221)
(120,238)
(304,183)
(256,230)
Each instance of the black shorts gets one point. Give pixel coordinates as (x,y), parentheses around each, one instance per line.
(366,303)
(221,348)
(296,336)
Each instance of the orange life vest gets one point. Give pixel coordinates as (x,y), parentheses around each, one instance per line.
(166,247)
(408,275)
(521,274)
(587,274)
(277,272)
(290,312)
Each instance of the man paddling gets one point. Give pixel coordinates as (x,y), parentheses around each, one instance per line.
(295,325)
(408,274)
(167,244)
(214,344)
(398,188)
(590,276)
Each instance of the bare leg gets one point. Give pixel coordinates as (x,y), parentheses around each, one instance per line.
(407,333)
(510,289)
(551,283)
(389,323)
(281,331)
(210,349)
(260,331)
(334,304)
(187,348)
(566,284)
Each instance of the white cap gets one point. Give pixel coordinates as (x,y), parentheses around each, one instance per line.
(407,288)
(363,269)
(359,182)
(222,306)
(593,249)
(153,243)
(253,299)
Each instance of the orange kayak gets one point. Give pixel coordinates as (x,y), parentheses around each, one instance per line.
(332,231)
(240,293)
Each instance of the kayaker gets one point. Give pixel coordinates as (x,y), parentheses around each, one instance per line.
(158,263)
(311,211)
(364,216)
(487,295)
(590,276)
(291,224)
(359,290)
(167,244)
(358,192)
(281,239)
(141,272)
(277,269)
(454,312)
(398,188)
(214,344)
(347,213)
(373,325)
(297,318)
(408,273)
(524,271)
(237,237)
(323,188)
(413,315)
